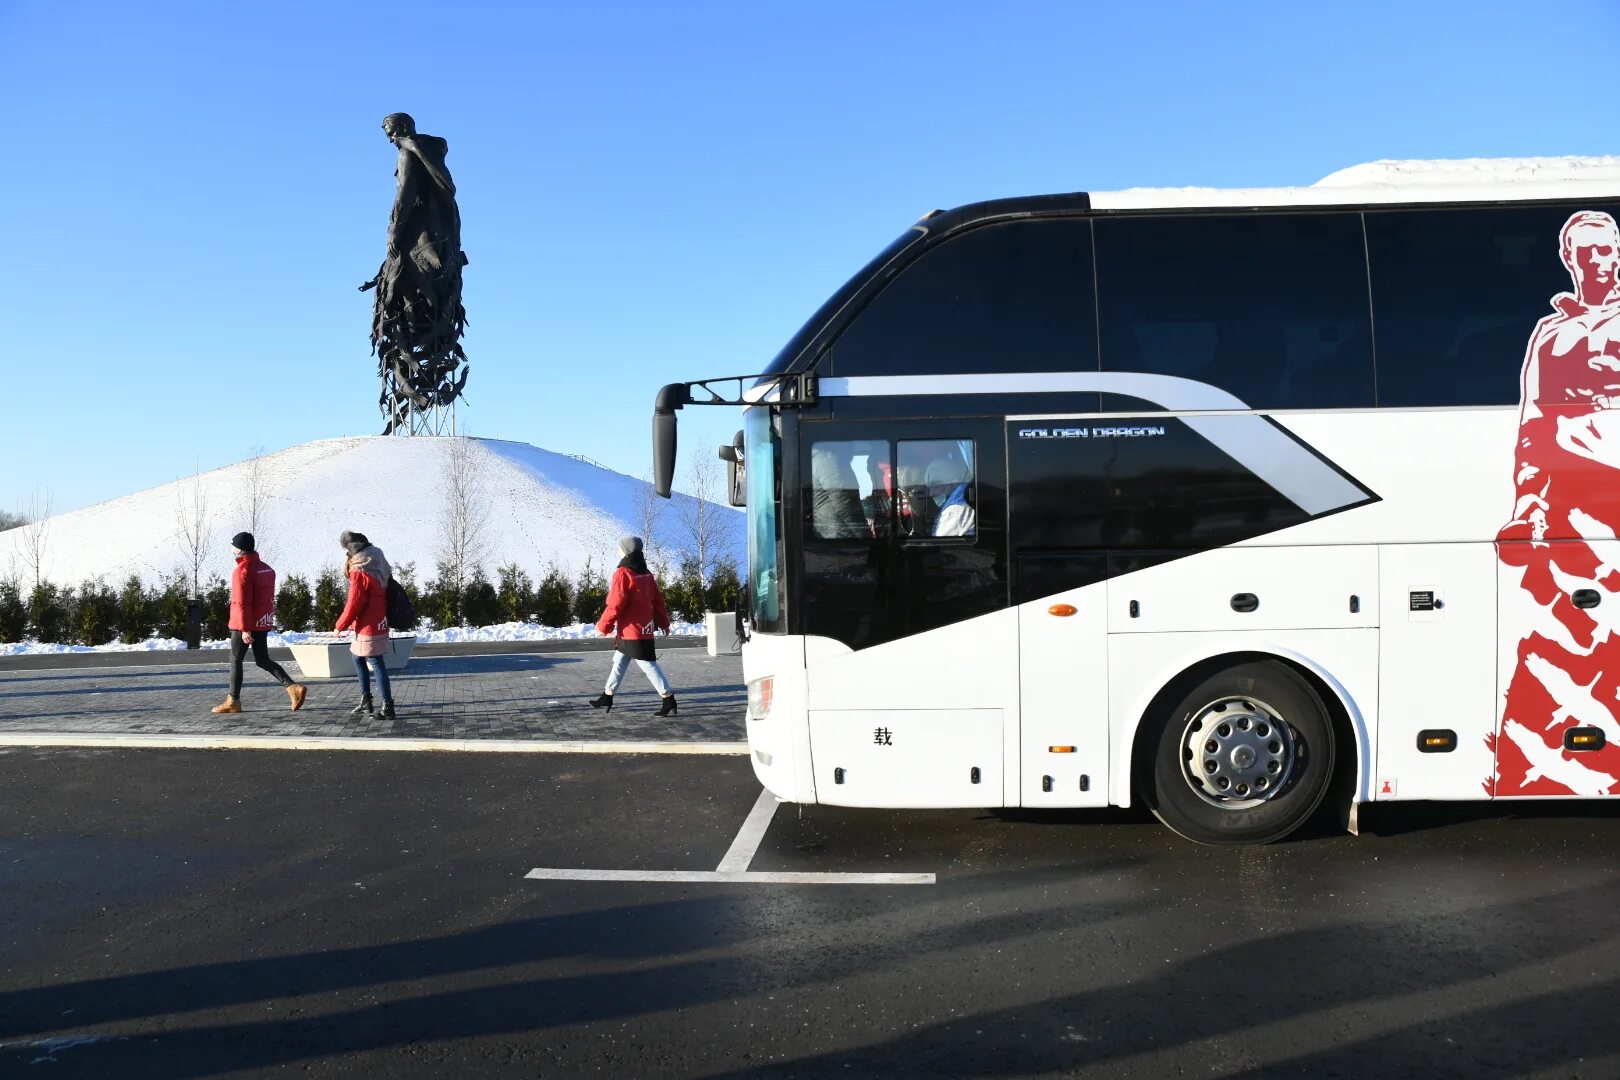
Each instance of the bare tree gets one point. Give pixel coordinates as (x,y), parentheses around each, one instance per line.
(649,517)
(708,526)
(466,510)
(191,527)
(8,520)
(256,494)
(35,533)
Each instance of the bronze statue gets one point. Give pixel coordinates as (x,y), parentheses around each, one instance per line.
(417,320)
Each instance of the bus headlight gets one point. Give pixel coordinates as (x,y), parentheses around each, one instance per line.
(759,698)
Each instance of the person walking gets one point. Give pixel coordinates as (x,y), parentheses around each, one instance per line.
(635,607)
(366,614)
(253,616)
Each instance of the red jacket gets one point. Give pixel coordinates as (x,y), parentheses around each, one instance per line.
(253,595)
(366,613)
(634,606)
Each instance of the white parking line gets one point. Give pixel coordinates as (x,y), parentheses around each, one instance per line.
(742,849)
(760,877)
(734,865)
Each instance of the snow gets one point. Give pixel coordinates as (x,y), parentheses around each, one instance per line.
(1459,180)
(514,631)
(542,505)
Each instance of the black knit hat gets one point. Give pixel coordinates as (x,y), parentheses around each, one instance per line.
(242,541)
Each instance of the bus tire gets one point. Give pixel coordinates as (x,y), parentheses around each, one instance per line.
(1244,757)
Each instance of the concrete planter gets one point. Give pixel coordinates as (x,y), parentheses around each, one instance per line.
(327,656)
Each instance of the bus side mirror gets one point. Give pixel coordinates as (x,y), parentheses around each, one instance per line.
(669,399)
(736,472)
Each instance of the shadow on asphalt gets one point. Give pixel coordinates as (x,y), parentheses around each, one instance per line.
(482,665)
(1401,819)
(1352,978)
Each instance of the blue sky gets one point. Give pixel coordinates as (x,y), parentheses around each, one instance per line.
(649,192)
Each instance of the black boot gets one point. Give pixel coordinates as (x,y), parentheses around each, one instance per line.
(387,711)
(603,701)
(668,708)
(364,708)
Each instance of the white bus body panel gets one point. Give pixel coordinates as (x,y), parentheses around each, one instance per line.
(1297,588)
(921,758)
(1442,475)
(779,744)
(1439,670)
(970,665)
(1063,672)
(1142,664)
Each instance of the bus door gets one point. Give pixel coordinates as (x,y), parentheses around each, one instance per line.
(1056,491)
(903,567)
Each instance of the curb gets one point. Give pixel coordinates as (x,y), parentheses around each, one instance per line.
(319,742)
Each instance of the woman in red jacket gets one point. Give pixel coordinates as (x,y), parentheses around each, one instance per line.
(635,608)
(366,614)
(253,616)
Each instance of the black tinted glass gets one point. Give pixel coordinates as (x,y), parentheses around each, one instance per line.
(1456,294)
(1012,297)
(1270,308)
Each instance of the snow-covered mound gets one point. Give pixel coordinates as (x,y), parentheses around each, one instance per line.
(540,507)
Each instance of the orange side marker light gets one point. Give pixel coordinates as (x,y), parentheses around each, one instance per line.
(1063,610)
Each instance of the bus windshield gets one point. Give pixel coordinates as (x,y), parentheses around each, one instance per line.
(764,579)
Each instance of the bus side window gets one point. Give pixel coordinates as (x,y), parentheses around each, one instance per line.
(1458,293)
(849,481)
(934,488)
(1271,308)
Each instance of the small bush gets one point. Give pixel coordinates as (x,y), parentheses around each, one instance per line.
(554,598)
(590,595)
(48,613)
(515,595)
(725,587)
(169,606)
(216,609)
(331,593)
(294,604)
(480,604)
(441,601)
(13,611)
(134,620)
(685,595)
(95,618)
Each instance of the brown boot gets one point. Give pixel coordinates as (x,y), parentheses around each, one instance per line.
(296,691)
(230,705)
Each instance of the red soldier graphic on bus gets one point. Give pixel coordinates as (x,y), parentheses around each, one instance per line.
(1566,515)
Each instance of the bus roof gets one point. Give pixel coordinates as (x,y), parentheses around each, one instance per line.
(1461,180)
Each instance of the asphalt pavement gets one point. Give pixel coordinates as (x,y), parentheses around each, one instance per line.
(194,913)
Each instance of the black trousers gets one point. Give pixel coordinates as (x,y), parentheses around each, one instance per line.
(261,656)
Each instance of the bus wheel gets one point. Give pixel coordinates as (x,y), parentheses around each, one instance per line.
(1244,758)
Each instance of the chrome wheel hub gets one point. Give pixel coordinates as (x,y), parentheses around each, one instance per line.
(1237,752)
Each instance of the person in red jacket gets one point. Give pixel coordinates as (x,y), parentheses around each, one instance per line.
(635,608)
(253,616)
(366,614)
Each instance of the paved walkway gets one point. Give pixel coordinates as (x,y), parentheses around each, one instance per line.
(532,697)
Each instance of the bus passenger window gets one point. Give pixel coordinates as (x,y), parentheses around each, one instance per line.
(850,485)
(1271,308)
(935,488)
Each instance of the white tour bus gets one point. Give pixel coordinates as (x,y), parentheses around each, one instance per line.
(1226,501)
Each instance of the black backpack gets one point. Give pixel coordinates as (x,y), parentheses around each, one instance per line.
(401,615)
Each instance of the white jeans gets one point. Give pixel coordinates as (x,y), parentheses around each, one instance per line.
(654,673)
